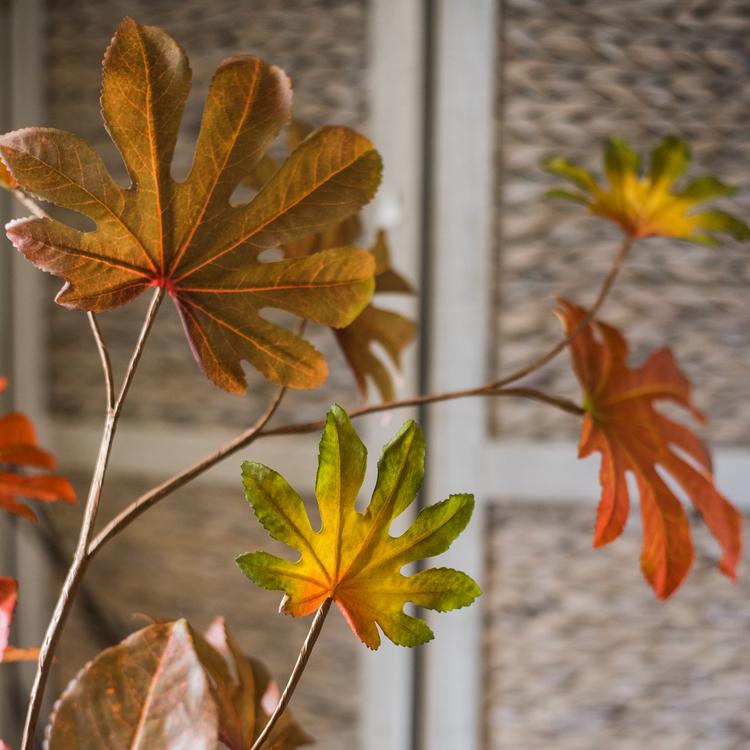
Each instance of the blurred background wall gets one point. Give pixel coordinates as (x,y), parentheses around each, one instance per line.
(569,649)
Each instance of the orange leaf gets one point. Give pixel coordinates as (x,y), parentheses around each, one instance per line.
(18,447)
(8,601)
(632,436)
(188,238)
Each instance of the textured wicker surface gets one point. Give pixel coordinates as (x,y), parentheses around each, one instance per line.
(571,74)
(322,45)
(581,655)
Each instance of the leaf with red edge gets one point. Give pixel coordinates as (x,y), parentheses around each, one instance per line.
(246,696)
(8,601)
(188,237)
(622,424)
(7,180)
(19,447)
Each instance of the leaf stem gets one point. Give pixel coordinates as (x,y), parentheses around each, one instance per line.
(81,558)
(101,347)
(294,678)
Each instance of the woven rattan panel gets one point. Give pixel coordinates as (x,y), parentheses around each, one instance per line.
(570,73)
(322,45)
(580,655)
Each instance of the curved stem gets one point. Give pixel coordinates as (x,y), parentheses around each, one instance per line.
(29,203)
(80,558)
(294,678)
(101,347)
(601,296)
(123,519)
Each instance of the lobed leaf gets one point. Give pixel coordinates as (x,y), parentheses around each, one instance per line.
(623,425)
(188,237)
(352,558)
(649,205)
(245,695)
(19,448)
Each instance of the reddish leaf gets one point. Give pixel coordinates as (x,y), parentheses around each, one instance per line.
(8,601)
(18,447)
(149,692)
(632,436)
(187,237)
(246,697)
(3,746)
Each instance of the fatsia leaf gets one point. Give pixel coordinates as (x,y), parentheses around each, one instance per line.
(8,601)
(19,448)
(246,696)
(352,558)
(391,331)
(622,424)
(187,237)
(647,205)
(150,692)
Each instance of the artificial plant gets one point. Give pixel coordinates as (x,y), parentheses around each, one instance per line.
(167,685)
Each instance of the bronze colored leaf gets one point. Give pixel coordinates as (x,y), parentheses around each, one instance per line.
(246,696)
(390,330)
(150,692)
(187,237)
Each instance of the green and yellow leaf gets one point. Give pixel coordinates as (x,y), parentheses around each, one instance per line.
(352,559)
(651,204)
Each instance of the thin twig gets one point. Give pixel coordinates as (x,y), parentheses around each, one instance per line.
(101,347)
(123,519)
(28,202)
(294,678)
(80,558)
(604,290)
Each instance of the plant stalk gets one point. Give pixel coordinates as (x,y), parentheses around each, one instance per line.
(294,678)
(80,558)
(123,519)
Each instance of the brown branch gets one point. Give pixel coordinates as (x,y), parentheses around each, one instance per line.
(101,347)
(256,432)
(80,558)
(294,678)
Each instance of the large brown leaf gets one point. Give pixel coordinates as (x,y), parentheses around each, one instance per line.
(622,424)
(246,696)
(187,237)
(19,448)
(150,692)
(389,330)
